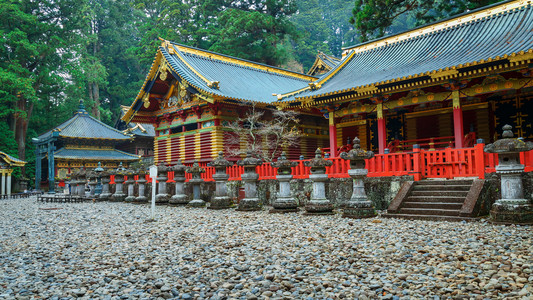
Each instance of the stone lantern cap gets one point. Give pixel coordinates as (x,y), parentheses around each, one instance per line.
(357,153)
(283,164)
(220,161)
(120,170)
(129,172)
(318,164)
(142,170)
(162,167)
(178,167)
(508,144)
(99,169)
(195,169)
(82,173)
(250,161)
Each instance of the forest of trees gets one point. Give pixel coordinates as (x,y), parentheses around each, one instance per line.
(57,52)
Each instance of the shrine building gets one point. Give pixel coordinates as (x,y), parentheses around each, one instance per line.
(442,85)
(81,141)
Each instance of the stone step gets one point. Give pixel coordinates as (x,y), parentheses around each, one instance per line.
(445,182)
(433,205)
(430,217)
(429,211)
(444,199)
(427,187)
(440,193)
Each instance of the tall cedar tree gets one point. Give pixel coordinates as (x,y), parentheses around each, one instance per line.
(34,36)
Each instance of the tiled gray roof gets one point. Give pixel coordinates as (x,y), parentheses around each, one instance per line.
(82,125)
(236,81)
(487,38)
(94,154)
(12,160)
(149,129)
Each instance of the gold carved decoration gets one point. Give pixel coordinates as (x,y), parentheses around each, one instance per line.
(146,100)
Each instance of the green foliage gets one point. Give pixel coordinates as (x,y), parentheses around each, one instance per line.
(322,26)
(373,18)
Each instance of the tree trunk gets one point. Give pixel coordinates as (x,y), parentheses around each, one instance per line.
(21,128)
(96,99)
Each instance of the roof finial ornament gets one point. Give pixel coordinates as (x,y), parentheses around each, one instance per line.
(81,108)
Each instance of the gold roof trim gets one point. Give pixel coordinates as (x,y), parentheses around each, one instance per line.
(490,11)
(210,83)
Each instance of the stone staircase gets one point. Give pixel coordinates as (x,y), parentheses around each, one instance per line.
(447,200)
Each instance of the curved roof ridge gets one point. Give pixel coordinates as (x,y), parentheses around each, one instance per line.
(76,126)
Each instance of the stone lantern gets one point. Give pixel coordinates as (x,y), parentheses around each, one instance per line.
(92,182)
(74,183)
(82,180)
(251,201)
(142,185)
(119,188)
(196,172)
(179,196)
(358,206)
(131,185)
(284,201)
(98,171)
(221,199)
(162,173)
(512,207)
(106,194)
(318,204)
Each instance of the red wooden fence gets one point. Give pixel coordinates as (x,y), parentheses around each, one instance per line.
(420,163)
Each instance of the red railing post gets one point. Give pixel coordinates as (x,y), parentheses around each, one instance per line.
(417,168)
(479,160)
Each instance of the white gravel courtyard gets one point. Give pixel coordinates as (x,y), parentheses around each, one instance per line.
(108,250)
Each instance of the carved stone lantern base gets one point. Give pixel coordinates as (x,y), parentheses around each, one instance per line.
(118,197)
(319,205)
(197,203)
(358,206)
(220,203)
(179,200)
(283,210)
(250,204)
(359,210)
(140,199)
(161,199)
(284,202)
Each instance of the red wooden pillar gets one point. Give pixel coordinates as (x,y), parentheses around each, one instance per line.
(457,120)
(382,131)
(332,135)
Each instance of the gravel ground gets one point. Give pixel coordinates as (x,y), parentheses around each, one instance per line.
(110,251)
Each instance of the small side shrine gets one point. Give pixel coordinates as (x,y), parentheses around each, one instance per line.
(81,141)
(7,164)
